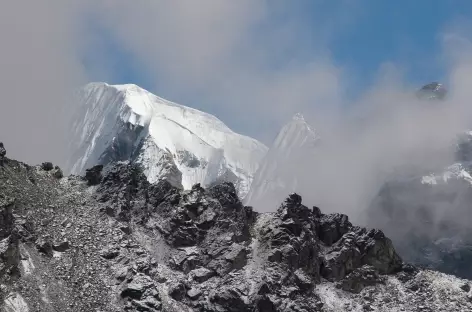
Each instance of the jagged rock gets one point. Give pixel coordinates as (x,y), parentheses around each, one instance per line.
(360,278)
(201,275)
(110,252)
(47,166)
(137,288)
(24,228)
(378,251)
(194,293)
(465,287)
(149,304)
(333,227)
(343,258)
(9,257)
(233,259)
(6,216)
(177,290)
(316,212)
(122,273)
(190,263)
(357,248)
(304,282)
(57,172)
(94,175)
(145,265)
(275,256)
(44,245)
(229,300)
(265,304)
(237,256)
(125,229)
(62,246)
(293,238)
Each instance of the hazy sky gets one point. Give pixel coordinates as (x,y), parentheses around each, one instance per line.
(252,63)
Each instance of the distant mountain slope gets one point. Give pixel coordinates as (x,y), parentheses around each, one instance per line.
(428,215)
(184,145)
(282,167)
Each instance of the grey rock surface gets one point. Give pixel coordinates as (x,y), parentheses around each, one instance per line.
(123,244)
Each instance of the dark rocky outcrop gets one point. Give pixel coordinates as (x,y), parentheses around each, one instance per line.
(360,278)
(57,172)
(94,175)
(333,227)
(9,249)
(122,146)
(128,245)
(47,166)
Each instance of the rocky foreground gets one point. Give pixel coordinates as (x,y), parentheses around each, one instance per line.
(110,241)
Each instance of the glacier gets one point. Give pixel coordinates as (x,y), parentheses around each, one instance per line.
(171,141)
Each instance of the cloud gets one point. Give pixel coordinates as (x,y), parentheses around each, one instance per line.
(236,59)
(39,65)
(252,63)
(383,134)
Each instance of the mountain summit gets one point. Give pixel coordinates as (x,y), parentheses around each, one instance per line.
(281,168)
(180,144)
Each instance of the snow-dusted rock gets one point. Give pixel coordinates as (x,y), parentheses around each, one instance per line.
(168,249)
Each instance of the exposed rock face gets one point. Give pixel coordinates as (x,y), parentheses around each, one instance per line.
(94,175)
(47,166)
(9,252)
(129,245)
(427,214)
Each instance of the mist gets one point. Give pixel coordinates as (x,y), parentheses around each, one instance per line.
(40,66)
(253,65)
(389,134)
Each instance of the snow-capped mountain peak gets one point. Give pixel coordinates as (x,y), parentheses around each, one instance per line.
(279,171)
(295,134)
(172,141)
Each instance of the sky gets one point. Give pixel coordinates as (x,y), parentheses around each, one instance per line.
(251,63)
(357,38)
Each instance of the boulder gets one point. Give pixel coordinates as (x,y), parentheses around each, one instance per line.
(62,246)
(333,227)
(201,275)
(360,278)
(94,175)
(57,172)
(47,166)
(44,245)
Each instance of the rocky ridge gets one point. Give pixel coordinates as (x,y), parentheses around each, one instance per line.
(112,241)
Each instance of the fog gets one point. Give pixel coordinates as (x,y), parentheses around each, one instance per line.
(253,64)
(389,134)
(39,67)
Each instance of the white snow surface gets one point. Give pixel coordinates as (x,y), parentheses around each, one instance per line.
(172,133)
(455,171)
(14,302)
(280,170)
(443,294)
